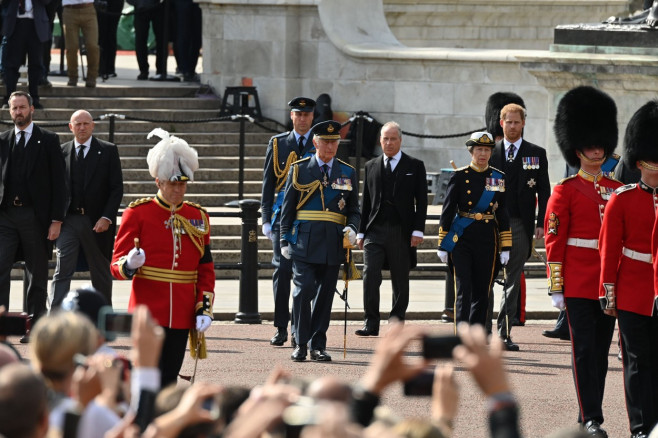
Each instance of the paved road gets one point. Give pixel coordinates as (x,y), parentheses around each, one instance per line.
(540,374)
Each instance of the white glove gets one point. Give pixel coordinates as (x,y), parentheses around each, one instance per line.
(558,301)
(443,255)
(285,251)
(202,323)
(267,230)
(136,258)
(351,236)
(504,257)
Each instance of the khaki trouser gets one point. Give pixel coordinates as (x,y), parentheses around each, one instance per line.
(78,18)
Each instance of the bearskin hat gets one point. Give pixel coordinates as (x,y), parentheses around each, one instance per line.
(585,117)
(172,159)
(495,103)
(641,139)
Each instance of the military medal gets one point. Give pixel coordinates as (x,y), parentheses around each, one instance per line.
(495,185)
(530,163)
(532,182)
(342,184)
(606,192)
(325,183)
(341,204)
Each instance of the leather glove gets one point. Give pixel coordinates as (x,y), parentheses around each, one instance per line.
(267,230)
(504,257)
(443,255)
(351,236)
(202,323)
(558,301)
(135,259)
(285,252)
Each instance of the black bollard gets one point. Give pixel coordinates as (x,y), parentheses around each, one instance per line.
(112,127)
(248,301)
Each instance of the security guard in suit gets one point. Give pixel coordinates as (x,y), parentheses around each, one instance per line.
(283,150)
(474,228)
(320,206)
(626,289)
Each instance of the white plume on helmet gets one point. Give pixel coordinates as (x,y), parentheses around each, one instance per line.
(172,159)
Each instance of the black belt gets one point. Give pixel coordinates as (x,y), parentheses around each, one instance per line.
(79,5)
(80,211)
(17,202)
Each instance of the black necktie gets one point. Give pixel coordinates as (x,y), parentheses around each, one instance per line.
(21,7)
(21,140)
(325,170)
(301,144)
(81,153)
(389,169)
(510,153)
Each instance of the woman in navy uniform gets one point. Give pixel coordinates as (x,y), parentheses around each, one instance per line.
(474,228)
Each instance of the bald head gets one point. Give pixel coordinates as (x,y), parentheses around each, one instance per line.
(81,125)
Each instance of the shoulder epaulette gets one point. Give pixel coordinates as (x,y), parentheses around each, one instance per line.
(283,134)
(303,159)
(195,205)
(347,164)
(497,170)
(625,188)
(139,202)
(570,177)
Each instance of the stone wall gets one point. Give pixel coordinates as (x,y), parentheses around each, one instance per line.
(478,24)
(346,49)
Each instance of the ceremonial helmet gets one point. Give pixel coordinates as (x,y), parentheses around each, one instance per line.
(495,103)
(641,139)
(172,159)
(585,117)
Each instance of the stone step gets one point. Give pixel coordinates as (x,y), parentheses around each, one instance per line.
(204,150)
(204,174)
(122,92)
(134,137)
(204,162)
(60,104)
(204,187)
(205,199)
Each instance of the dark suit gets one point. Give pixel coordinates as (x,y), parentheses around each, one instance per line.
(528,187)
(391,212)
(101,195)
(25,36)
(317,244)
(271,201)
(25,227)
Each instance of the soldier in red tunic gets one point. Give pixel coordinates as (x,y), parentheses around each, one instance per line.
(626,289)
(171,266)
(586,132)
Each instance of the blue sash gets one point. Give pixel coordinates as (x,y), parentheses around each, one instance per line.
(609,165)
(460,223)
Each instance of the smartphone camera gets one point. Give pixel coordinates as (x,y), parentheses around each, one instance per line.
(420,385)
(14,324)
(439,347)
(113,324)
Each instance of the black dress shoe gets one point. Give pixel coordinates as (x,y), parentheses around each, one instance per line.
(557,334)
(593,428)
(299,355)
(280,337)
(25,339)
(320,356)
(143,76)
(367,331)
(639,435)
(509,345)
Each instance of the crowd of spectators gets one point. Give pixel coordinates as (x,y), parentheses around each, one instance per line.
(73,384)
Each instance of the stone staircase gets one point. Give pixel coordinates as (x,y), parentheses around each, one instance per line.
(218,146)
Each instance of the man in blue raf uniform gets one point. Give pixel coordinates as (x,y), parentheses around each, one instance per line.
(283,150)
(320,205)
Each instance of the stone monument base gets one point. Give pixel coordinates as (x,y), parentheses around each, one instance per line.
(607,35)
